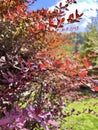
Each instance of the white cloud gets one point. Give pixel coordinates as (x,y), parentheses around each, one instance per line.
(88,7)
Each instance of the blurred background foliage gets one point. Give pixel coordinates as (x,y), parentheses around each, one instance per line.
(90,42)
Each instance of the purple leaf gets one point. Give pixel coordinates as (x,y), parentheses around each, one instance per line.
(18,108)
(44,124)
(30,108)
(5,75)
(11,80)
(95,81)
(4,121)
(46,115)
(20,121)
(53,123)
(10,74)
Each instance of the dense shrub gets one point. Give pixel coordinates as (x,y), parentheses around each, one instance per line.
(31,86)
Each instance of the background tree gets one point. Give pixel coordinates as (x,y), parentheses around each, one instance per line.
(90,44)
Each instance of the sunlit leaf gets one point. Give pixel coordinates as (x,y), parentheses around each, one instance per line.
(82,73)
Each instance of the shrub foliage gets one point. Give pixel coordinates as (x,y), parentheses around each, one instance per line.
(32,77)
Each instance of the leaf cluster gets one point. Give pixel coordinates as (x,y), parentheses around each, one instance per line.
(30,75)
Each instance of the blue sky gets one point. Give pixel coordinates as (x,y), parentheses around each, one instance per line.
(89,8)
(43,4)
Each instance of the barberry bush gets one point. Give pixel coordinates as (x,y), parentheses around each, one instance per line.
(33,78)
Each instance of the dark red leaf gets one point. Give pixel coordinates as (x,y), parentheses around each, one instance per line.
(66,5)
(60,5)
(95,89)
(37,110)
(71,16)
(29,64)
(42,25)
(78,15)
(62,20)
(74,1)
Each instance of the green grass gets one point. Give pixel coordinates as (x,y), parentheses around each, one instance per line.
(80,120)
